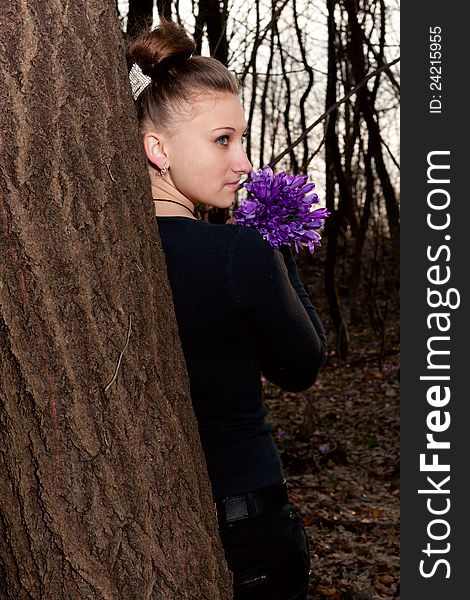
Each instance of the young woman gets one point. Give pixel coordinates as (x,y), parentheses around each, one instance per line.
(241,308)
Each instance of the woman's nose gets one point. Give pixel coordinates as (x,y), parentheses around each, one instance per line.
(242,164)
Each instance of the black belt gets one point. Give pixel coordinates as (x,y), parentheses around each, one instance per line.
(253,504)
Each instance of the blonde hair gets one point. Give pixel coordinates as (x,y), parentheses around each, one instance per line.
(178,78)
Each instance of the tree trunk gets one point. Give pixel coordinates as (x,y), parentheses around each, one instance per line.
(334,174)
(139,17)
(359,242)
(164,9)
(103,487)
(358,66)
(212,15)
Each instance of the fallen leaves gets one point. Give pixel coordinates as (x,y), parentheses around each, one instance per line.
(339,443)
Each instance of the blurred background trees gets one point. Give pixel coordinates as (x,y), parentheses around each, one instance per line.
(320,86)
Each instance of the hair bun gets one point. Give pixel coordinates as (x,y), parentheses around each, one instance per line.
(166,44)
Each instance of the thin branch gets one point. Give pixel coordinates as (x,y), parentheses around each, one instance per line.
(259,41)
(332,108)
(120,356)
(395,162)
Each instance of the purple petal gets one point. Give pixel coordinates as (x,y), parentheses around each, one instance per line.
(280,206)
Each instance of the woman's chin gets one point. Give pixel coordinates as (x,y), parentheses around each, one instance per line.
(225,203)
(222,200)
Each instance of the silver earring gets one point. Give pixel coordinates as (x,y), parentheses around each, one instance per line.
(163,171)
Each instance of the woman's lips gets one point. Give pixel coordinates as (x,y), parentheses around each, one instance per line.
(234,185)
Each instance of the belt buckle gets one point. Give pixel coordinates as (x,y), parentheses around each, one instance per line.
(236,508)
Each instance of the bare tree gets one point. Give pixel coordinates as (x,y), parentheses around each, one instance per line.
(334,175)
(357,161)
(212,17)
(139,16)
(103,487)
(164,8)
(366,103)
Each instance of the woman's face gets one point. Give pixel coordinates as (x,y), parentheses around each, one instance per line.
(206,155)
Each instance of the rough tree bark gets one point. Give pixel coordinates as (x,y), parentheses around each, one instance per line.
(103,488)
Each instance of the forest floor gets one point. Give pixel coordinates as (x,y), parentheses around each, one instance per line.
(339,443)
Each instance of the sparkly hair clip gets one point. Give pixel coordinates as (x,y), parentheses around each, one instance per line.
(138,80)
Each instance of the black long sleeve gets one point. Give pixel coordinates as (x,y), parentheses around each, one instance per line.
(298,286)
(290,337)
(241,311)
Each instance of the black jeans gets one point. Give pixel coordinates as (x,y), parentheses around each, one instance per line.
(268,556)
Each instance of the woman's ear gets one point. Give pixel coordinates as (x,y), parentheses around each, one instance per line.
(154,149)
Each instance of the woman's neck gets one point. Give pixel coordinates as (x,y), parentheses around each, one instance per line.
(162,190)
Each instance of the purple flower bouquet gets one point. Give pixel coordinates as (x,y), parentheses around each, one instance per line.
(280,208)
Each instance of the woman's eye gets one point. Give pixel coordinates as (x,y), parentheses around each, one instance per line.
(223,140)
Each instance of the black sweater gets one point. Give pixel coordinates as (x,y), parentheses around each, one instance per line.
(240,313)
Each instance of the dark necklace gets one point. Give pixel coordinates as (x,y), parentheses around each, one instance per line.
(174,202)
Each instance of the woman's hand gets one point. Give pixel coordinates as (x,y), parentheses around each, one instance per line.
(231,221)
